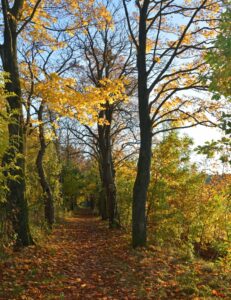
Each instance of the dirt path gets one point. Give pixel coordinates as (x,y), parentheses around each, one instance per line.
(83,259)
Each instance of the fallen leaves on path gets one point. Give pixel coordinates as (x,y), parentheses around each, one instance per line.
(85,260)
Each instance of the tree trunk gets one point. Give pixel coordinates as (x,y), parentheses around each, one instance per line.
(139,230)
(73,204)
(110,188)
(47,194)
(15,156)
(102,197)
(108,172)
(111,192)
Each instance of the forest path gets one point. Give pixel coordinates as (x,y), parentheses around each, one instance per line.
(83,259)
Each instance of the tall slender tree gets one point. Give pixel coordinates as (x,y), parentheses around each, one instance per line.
(166,34)
(14,158)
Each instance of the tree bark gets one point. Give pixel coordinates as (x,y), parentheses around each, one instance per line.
(47,193)
(102,196)
(110,189)
(14,159)
(72,204)
(107,166)
(139,228)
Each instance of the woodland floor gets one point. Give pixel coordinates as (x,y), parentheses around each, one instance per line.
(85,260)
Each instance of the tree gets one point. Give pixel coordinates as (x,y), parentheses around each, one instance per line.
(170,38)
(47,193)
(34,93)
(108,53)
(220,57)
(219,60)
(17,204)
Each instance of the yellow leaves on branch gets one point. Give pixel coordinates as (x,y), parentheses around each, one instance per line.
(157,59)
(185,108)
(54,88)
(70,14)
(42,18)
(149,45)
(62,96)
(95,99)
(212,11)
(109,90)
(87,13)
(104,17)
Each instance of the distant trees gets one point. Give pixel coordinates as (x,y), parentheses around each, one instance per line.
(108,54)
